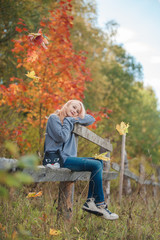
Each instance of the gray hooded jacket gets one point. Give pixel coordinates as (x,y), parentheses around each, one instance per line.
(60,136)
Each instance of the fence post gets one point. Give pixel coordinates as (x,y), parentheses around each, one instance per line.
(66,197)
(158,173)
(122,167)
(154,187)
(142,179)
(106,183)
(127,181)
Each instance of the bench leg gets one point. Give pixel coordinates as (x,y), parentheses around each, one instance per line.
(106,183)
(65,201)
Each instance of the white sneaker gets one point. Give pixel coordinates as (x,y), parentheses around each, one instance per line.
(53,166)
(106,213)
(91,207)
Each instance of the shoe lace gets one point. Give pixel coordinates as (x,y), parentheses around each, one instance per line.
(108,211)
(106,208)
(91,199)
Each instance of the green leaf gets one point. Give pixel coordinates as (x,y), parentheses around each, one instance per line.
(23,177)
(24,232)
(11,181)
(28,161)
(12,148)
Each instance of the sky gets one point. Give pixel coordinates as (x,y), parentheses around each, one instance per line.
(138,32)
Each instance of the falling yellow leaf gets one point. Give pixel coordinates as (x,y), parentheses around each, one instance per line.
(32,75)
(35,35)
(54,232)
(34,194)
(122,128)
(102,156)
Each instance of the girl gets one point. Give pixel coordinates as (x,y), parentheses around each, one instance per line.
(59,137)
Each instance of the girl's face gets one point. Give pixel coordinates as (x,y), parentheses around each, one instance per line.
(73,109)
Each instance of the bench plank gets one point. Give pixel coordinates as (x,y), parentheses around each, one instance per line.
(92,137)
(45,174)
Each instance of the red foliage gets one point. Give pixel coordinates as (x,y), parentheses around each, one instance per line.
(13,133)
(109,111)
(61,72)
(18,29)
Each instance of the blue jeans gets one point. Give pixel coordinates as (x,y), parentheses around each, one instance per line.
(95,167)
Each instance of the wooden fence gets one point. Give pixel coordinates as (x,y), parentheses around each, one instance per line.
(67,178)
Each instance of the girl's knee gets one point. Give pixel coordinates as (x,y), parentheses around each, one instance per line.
(98,164)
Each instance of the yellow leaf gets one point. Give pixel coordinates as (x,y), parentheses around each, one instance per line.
(14,235)
(54,232)
(76,229)
(34,194)
(102,156)
(32,75)
(38,194)
(31,194)
(122,128)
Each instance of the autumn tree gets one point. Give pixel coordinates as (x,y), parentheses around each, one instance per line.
(58,74)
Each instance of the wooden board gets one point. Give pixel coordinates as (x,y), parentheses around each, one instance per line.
(44,174)
(92,137)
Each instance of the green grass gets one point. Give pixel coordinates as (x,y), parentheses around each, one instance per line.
(31,218)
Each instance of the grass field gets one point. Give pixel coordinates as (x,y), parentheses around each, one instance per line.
(36,218)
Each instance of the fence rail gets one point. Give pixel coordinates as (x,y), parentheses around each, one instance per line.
(92,137)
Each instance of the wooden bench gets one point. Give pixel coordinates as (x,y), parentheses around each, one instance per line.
(66,177)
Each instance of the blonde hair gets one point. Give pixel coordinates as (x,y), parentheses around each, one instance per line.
(62,113)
